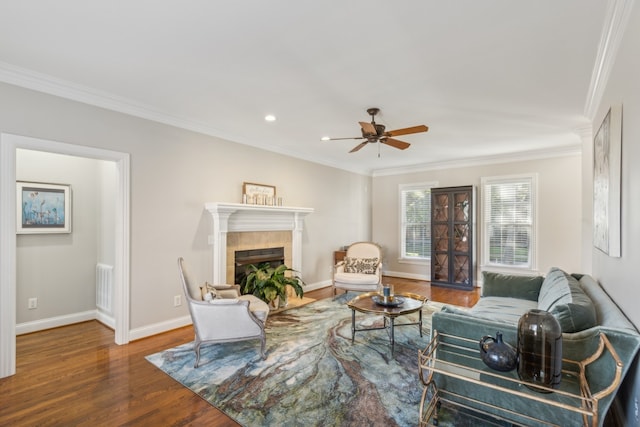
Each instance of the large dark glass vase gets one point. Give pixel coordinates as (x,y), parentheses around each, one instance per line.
(540,349)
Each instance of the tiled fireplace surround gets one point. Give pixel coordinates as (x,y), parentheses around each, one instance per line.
(240,227)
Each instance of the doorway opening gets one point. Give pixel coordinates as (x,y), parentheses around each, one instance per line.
(9,145)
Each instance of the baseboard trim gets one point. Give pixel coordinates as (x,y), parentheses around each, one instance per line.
(105,319)
(134,334)
(403,275)
(55,322)
(317,285)
(160,327)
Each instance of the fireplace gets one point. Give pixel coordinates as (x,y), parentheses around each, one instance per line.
(238,227)
(274,256)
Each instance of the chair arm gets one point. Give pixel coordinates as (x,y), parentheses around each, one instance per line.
(224,319)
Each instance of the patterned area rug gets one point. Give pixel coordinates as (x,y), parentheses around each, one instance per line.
(313,374)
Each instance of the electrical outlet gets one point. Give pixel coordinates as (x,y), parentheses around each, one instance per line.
(32,303)
(177,301)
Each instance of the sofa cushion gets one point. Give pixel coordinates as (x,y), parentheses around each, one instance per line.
(502,309)
(356,278)
(361,265)
(562,296)
(508,285)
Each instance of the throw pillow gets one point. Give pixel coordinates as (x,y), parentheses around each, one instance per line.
(360,265)
(512,286)
(208,288)
(562,296)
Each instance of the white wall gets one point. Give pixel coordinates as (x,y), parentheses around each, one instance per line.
(173,173)
(59,269)
(559,209)
(107,175)
(619,276)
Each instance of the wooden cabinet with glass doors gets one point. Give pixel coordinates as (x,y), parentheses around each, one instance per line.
(452,237)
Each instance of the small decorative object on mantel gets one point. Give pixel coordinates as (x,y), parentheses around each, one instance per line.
(540,350)
(497,354)
(260,194)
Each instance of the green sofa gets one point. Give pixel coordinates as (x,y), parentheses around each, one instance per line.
(584,311)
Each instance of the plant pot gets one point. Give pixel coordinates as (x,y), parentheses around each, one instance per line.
(274,304)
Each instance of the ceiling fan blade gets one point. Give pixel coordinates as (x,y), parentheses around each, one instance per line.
(359,146)
(368,128)
(339,139)
(407,131)
(396,143)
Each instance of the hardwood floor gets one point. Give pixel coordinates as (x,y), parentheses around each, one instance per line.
(75,375)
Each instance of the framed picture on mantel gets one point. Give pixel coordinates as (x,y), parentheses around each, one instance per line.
(258,194)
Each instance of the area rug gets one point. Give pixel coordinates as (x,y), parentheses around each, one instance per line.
(313,374)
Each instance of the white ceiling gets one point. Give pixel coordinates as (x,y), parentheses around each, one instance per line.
(489,78)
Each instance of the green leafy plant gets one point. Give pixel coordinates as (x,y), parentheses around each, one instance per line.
(269,283)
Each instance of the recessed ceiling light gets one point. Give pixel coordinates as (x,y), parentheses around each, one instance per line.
(270,118)
(325,138)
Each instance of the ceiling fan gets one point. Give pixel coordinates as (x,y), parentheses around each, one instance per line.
(374,132)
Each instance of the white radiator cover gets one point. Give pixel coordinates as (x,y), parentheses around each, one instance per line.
(104,288)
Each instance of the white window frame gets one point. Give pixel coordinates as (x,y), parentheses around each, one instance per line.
(486,260)
(403,259)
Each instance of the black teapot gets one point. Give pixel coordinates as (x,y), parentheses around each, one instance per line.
(497,354)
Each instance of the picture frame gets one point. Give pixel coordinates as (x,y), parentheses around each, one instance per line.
(607,164)
(43,208)
(258,194)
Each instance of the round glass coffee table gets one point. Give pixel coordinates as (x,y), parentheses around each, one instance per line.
(401,304)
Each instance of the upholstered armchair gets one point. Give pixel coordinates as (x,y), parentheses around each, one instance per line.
(361,269)
(225,316)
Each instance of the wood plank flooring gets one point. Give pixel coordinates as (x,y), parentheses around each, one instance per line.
(76,376)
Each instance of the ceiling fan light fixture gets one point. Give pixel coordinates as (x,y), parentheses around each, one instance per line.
(325,138)
(373,132)
(270,118)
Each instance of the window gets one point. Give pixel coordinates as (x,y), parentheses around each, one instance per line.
(415,214)
(509,221)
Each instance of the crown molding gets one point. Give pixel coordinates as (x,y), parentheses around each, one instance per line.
(563,151)
(615,23)
(40,82)
(44,83)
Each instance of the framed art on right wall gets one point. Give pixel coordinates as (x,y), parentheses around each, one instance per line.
(607,164)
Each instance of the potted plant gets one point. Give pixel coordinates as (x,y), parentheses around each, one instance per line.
(270,283)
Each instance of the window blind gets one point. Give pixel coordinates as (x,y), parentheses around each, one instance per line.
(416,221)
(509,222)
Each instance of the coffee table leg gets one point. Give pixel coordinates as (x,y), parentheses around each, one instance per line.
(393,338)
(420,322)
(353,325)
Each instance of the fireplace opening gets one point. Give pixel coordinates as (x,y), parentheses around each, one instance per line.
(274,256)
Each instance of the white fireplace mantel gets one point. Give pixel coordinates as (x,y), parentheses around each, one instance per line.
(238,217)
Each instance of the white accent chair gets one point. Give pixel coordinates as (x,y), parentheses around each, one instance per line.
(361,269)
(229,317)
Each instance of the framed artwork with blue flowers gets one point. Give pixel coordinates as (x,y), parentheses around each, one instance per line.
(43,208)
